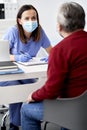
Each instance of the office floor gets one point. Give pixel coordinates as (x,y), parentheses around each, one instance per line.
(49,126)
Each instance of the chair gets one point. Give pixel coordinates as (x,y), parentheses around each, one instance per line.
(70,113)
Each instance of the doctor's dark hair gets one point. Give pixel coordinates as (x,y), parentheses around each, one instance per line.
(36,33)
(71,16)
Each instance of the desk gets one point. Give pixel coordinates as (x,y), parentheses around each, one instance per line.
(19,93)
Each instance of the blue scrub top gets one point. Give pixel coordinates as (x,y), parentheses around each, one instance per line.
(32,47)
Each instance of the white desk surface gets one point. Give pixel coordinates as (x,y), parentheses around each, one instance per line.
(19,93)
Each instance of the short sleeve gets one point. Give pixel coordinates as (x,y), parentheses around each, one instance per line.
(44,39)
(11,35)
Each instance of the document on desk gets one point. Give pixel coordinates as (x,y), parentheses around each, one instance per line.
(9,71)
(35,61)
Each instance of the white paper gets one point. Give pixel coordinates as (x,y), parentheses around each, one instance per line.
(34,61)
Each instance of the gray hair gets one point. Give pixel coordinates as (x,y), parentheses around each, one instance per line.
(71,16)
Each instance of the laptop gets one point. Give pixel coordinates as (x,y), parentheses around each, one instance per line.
(4,50)
(5,63)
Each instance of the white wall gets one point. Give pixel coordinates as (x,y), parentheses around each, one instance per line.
(47,12)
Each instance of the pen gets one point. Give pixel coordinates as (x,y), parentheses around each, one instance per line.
(22,52)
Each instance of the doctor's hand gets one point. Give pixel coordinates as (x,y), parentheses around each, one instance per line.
(23,57)
(45,59)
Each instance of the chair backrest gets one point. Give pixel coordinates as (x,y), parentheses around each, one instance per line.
(70,113)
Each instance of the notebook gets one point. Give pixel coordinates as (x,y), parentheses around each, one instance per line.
(12,72)
(5,63)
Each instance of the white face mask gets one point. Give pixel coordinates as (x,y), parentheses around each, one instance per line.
(30,26)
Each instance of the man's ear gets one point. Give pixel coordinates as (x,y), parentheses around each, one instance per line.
(59,27)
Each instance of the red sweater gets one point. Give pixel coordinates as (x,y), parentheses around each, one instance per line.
(67,69)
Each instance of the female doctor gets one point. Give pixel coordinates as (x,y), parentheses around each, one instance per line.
(25,40)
